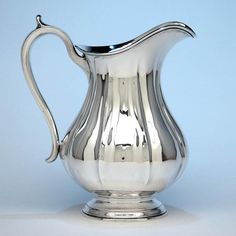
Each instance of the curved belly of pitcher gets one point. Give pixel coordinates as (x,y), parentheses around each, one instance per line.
(124,138)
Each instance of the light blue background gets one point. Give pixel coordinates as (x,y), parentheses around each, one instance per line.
(199,84)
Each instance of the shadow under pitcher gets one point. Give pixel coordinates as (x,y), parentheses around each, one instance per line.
(124,144)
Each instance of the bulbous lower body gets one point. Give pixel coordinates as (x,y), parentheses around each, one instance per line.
(124,146)
(124,189)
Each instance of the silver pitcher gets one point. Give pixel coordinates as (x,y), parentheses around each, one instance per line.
(124,144)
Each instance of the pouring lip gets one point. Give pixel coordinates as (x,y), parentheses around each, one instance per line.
(121,47)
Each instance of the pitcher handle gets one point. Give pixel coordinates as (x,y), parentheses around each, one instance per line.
(40,30)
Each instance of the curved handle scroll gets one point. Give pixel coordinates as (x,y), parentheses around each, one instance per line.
(40,30)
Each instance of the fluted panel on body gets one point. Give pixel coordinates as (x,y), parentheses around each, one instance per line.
(123,136)
(86,136)
(169,151)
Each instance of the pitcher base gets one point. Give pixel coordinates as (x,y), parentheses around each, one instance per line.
(124,206)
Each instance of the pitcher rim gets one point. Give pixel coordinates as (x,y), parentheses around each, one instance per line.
(121,47)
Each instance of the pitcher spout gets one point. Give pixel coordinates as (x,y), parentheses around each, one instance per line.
(139,55)
(121,47)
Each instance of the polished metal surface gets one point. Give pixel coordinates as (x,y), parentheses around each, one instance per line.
(40,30)
(124,144)
(125,205)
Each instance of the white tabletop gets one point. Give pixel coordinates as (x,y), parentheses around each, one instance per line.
(71,222)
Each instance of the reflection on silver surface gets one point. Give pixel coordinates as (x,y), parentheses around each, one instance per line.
(124,145)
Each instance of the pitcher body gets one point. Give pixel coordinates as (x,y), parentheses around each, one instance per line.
(124,144)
